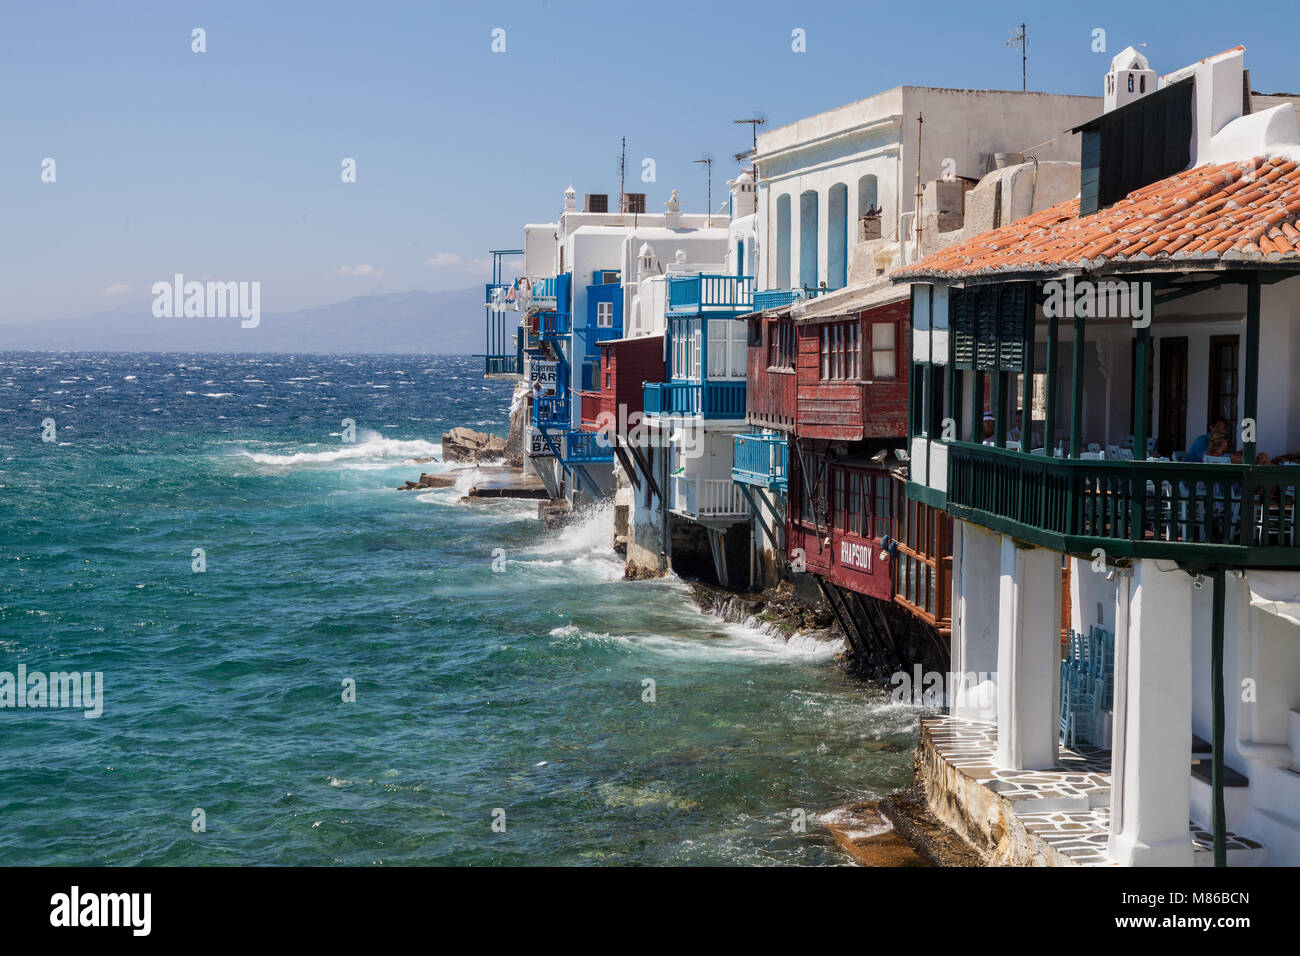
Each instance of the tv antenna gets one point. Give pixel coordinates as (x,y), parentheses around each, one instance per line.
(708,165)
(622,170)
(1021,40)
(755,121)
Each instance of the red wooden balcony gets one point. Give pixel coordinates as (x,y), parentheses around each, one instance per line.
(770,386)
(625,366)
(852,375)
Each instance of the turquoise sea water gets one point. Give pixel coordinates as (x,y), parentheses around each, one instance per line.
(476,691)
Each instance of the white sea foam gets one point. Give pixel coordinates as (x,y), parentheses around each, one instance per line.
(370,447)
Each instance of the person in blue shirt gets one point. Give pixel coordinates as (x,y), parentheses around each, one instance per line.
(1214,442)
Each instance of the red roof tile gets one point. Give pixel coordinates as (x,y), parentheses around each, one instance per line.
(1244,210)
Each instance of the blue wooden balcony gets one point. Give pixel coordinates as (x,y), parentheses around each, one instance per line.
(585,448)
(554,325)
(775,298)
(543,290)
(705,399)
(551,411)
(501,365)
(706,293)
(761,460)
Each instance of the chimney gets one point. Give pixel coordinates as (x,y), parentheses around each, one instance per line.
(596,202)
(634,203)
(744,197)
(570,199)
(1130,78)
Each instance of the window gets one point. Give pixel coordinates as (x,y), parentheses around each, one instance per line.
(839,351)
(882,512)
(780,348)
(841,519)
(726,348)
(686,350)
(783,242)
(884,350)
(857,501)
(605,315)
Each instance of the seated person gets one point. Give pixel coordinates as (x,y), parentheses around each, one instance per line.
(989,427)
(1214,442)
(1013,434)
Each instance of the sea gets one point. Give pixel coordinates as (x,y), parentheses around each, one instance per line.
(298,664)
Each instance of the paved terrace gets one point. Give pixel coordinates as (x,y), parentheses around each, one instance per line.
(1058,817)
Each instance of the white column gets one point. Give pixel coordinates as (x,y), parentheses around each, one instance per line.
(1029,635)
(1151,766)
(976,569)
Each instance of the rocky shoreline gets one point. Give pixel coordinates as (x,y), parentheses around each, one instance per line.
(898,830)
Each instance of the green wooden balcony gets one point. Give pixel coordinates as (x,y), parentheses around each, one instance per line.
(1238,515)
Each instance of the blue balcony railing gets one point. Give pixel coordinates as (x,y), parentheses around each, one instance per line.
(501,365)
(587,448)
(553,325)
(551,411)
(692,295)
(775,298)
(541,289)
(760,460)
(706,399)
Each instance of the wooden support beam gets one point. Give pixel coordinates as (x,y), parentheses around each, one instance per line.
(758,515)
(633,475)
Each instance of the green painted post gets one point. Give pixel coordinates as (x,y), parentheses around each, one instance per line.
(1076,390)
(1027,383)
(1049,423)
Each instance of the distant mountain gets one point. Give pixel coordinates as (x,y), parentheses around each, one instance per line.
(397,322)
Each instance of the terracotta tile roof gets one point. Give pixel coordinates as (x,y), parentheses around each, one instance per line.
(1247,210)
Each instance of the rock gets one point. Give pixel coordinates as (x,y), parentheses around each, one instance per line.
(861,832)
(465,444)
(429,481)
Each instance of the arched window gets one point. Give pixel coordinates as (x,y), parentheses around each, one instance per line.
(866,195)
(783,242)
(808,265)
(837,237)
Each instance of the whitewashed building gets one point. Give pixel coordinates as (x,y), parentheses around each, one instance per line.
(1064,368)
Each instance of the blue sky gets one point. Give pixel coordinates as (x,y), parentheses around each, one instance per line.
(226,164)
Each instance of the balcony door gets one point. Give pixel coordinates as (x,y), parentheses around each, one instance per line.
(1225,355)
(1173,396)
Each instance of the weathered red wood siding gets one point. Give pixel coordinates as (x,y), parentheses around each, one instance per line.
(630,363)
(866,575)
(853,410)
(770,392)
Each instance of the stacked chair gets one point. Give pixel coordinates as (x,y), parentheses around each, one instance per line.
(1087,686)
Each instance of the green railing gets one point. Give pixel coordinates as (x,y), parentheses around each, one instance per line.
(1244,515)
